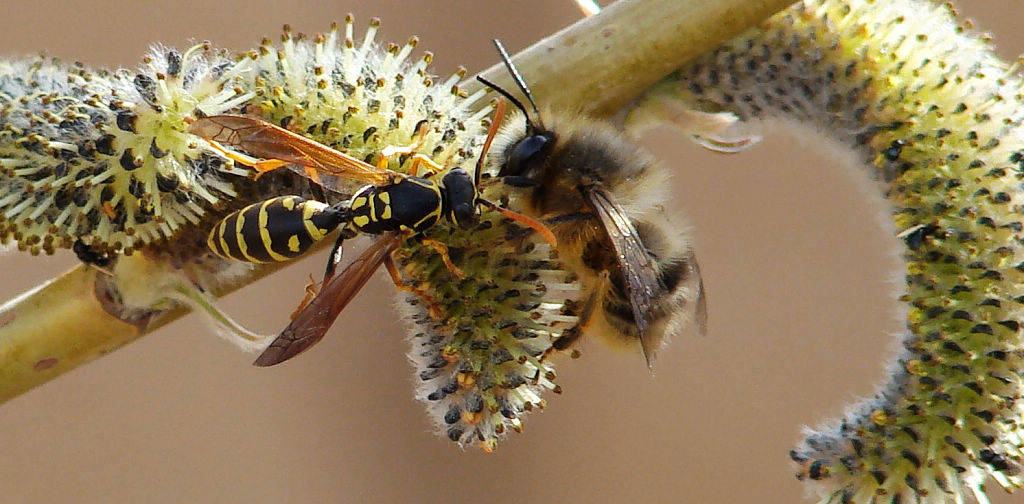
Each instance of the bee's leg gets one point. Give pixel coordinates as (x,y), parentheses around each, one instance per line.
(519,181)
(564,218)
(442,250)
(396,277)
(572,335)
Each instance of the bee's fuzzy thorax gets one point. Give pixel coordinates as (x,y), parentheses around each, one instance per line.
(641,182)
(935,117)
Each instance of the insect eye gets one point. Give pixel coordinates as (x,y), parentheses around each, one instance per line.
(465,215)
(460,198)
(527,155)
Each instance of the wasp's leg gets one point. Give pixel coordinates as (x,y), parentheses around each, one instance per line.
(396,277)
(260,165)
(99,260)
(417,159)
(442,250)
(529,222)
(312,289)
(421,159)
(336,252)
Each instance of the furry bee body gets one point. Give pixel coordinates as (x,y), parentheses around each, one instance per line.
(603,197)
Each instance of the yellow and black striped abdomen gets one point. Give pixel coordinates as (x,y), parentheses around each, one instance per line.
(277,229)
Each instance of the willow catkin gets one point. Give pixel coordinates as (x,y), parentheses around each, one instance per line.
(935,118)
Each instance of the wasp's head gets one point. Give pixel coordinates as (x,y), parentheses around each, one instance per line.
(460,198)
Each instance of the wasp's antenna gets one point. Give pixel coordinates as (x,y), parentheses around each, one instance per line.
(499,115)
(507,60)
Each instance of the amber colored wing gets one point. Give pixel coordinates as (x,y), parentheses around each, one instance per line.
(310,325)
(638,269)
(260,138)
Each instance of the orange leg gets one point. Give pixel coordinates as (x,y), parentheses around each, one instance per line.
(417,160)
(442,250)
(108,210)
(529,222)
(396,277)
(421,159)
(311,291)
(260,165)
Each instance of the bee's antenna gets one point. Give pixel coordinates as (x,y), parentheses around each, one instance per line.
(499,115)
(507,60)
(506,94)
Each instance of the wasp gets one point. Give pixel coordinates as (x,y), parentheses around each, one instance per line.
(393,205)
(600,195)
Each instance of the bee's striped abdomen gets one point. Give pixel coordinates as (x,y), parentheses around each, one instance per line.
(278,229)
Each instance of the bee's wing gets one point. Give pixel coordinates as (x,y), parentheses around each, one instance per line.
(639,273)
(310,325)
(263,139)
(700,308)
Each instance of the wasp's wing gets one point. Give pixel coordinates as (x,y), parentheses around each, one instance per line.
(639,273)
(310,325)
(261,138)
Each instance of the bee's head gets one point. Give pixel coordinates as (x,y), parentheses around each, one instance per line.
(526,156)
(460,198)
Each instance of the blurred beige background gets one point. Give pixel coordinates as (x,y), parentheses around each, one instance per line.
(797,270)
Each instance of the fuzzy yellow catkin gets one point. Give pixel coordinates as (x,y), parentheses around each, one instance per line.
(935,117)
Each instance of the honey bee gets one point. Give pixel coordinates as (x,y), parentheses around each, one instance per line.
(601,196)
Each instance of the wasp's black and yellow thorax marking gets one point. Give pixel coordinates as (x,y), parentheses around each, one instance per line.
(277,229)
(285,227)
(412,204)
